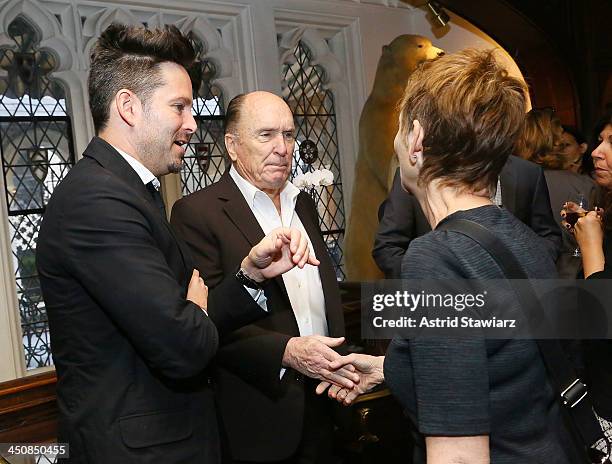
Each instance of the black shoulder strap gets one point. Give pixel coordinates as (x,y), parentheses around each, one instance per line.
(572,389)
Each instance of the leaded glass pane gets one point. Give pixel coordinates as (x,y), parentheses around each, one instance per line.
(46,459)
(205,158)
(315,120)
(37,153)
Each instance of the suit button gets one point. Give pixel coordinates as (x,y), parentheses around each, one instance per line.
(299,377)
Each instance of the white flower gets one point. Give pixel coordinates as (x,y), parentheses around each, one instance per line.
(300,181)
(315,178)
(327,177)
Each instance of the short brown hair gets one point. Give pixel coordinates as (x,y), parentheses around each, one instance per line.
(471,111)
(128,57)
(540,139)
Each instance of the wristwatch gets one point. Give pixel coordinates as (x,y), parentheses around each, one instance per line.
(245,280)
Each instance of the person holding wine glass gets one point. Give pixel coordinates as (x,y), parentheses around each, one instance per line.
(541,141)
(593,233)
(573,209)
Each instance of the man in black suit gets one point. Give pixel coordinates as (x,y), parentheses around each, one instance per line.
(523,192)
(130,332)
(263,380)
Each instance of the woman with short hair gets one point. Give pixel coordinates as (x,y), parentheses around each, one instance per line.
(472,400)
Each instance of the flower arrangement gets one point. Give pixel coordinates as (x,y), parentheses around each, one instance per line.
(314,178)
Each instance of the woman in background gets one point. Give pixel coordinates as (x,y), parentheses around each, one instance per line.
(594,236)
(544,142)
(575,146)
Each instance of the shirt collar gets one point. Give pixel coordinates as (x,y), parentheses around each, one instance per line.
(145,175)
(249,191)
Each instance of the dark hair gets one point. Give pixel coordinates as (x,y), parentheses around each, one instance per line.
(605,194)
(600,125)
(586,163)
(471,111)
(233,113)
(128,57)
(578,136)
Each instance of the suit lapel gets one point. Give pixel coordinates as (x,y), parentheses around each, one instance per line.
(238,210)
(244,220)
(303,210)
(310,221)
(242,217)
(110,159)
(508,182)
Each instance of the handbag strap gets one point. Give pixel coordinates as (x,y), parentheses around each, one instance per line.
(572,389)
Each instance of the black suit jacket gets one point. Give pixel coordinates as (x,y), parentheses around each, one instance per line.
(524,194)
(262,415)
(129,349)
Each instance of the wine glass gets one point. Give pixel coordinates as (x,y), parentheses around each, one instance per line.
(575,209)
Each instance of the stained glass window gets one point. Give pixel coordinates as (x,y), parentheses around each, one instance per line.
(205,159)
(37,153)
(315,120)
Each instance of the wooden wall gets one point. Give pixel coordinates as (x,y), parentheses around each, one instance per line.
(28,411)
(563,47)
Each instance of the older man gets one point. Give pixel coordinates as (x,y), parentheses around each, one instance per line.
(263,380)
(132,325)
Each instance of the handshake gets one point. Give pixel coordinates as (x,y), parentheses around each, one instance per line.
(343,377)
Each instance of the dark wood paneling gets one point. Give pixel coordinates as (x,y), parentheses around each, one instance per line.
(563,47)
(539,58)
(28,410)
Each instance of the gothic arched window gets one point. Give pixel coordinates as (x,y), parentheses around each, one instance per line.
(37,153)
(205,159)
(316,145)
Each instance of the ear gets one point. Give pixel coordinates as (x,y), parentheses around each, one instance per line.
(231,140)
(128,106)
(415,143)
(583,148)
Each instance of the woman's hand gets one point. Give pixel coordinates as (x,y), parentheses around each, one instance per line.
(571,207)
(589,231)
(370,371)
(589,235)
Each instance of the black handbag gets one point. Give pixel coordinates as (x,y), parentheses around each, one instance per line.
(572,391)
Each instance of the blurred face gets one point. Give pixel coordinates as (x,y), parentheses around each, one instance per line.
(166,124)
(571,151)
(602,158)
(262,149)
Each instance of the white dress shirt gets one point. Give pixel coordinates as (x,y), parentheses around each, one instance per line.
(303,285)
(145,175)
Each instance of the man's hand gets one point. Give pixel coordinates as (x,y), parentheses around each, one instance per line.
(370,370)
(278,252)
(197,292)
(313,356)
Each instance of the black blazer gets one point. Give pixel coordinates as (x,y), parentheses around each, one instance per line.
(524,194)
(129,349)
(262,415)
